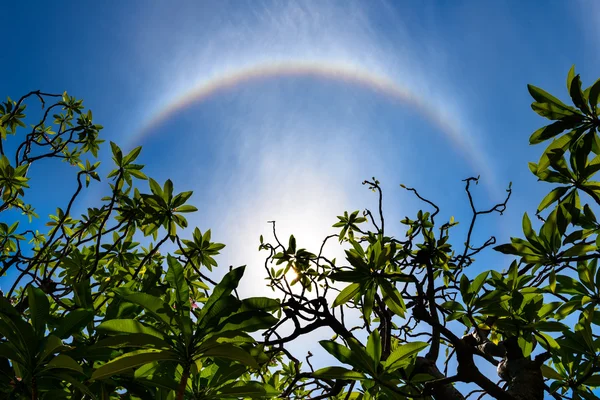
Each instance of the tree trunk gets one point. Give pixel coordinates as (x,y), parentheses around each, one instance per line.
(524,376)
(34,394)
(183,383)
(445,391)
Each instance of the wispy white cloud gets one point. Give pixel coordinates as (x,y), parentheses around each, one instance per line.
(277,162)
(291,170)
(323,32)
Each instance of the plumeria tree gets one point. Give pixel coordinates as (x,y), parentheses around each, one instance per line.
(95,309)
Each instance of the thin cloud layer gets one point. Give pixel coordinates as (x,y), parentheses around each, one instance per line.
(321,35)
(291,168)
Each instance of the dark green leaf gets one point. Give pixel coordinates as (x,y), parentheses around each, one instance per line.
(577,95)
(73,322)
(153,305)
(593,96)
(131,360)
(229,282)
(133,340)
(39,307)
(230,352)
(403,354)
(120,326)
(64,362)
(549,131)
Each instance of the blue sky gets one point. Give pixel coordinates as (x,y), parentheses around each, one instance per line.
(295,148)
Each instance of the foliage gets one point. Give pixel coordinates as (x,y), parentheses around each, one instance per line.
(92,313)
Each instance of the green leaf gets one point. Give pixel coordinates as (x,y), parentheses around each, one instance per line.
(361,357)
(8,351)
(161,382)
(40,308)
(559,144)
(374,347)
(368,301)
(351,355)
(593,381)
(7,308)
(392,298)
(153,305)
(465,283)
(230,352)
(117,153)
(552,112)
(222,308)
(402,355)
(542,96)
(64,362)
(131,360)
(260,303)
(549,131)
(570,76)
(53,344)
(478,282)
(226,373)
(73,322)
(552,281)
(452,306)
(517,249)
(350,276)
(248,321)
(186,209)
(82,290)
(223,289)
(137,174)
(64,377)
(338,373)
(18,332)
(547,309)
(579,250)
(340,352)
(121,326)
(133,154)
(593,96)
(550,326)
(181,198)
(552,197)
(252,389)
(168,190)
(568,285)
(567,308)
(232,337)
(527,229)
(577,95)
(155,187)
(346,294)
(133,340)
(550,373)
(176,280)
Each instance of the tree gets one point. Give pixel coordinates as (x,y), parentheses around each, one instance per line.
(92,313)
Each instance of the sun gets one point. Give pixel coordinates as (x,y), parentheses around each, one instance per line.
(291,275)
